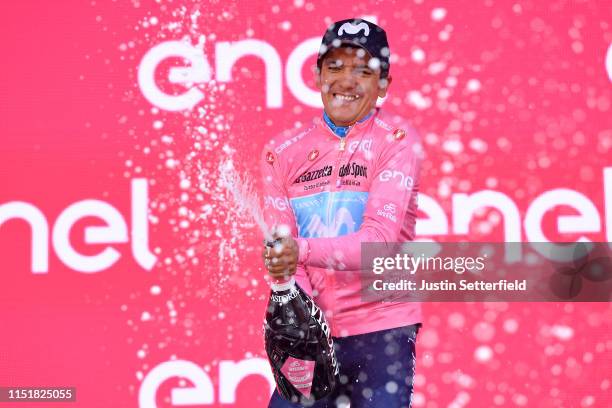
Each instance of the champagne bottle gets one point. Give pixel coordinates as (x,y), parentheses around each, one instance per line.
(299,344)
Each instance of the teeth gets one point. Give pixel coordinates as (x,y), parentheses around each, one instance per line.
(346,97)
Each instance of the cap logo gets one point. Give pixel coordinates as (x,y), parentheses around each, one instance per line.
(354,29)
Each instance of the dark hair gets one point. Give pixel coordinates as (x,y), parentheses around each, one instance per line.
(383,72)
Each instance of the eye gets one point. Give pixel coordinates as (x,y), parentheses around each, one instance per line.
(334,68)
(364,71)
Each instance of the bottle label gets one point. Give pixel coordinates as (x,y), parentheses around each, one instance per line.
(300,373)
(319,316)
(284,298)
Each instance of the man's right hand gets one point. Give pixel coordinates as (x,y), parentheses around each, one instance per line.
(281,259)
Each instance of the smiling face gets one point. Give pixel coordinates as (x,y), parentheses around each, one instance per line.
(349,87)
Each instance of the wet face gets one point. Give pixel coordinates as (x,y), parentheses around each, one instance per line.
(349,86)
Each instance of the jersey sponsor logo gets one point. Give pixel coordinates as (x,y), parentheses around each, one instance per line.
(351,28)
(329,214)
(388,211)
(349,182)
(353,169)
(397,176)
(292,140)
(364,146)
(389,207)
(314,175)
(316,185)
(278,203)
(313,155)
(399,134)
(383,124)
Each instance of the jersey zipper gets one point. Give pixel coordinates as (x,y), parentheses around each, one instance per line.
(335,178)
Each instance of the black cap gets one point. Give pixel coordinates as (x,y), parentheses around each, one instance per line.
(361,33)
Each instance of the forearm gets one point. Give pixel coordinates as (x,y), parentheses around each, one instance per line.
(339,253)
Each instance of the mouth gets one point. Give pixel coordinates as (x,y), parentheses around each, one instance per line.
(342,98)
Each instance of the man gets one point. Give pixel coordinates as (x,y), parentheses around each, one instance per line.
(348,178)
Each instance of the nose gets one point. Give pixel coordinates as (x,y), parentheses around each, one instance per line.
(347,80)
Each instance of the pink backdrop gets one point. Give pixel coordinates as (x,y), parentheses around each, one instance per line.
(107,108)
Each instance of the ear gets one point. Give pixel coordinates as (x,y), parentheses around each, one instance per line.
(318,78)
(382,90)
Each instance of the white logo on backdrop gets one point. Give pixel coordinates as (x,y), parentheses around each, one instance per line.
(609,62)
(202,392)
(198,70)
(115,231)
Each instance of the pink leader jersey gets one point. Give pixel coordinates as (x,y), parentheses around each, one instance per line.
(335,193)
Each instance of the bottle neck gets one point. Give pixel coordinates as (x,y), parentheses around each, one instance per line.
(281,285)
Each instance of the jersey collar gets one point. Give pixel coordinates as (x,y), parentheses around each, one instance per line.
(342,131)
